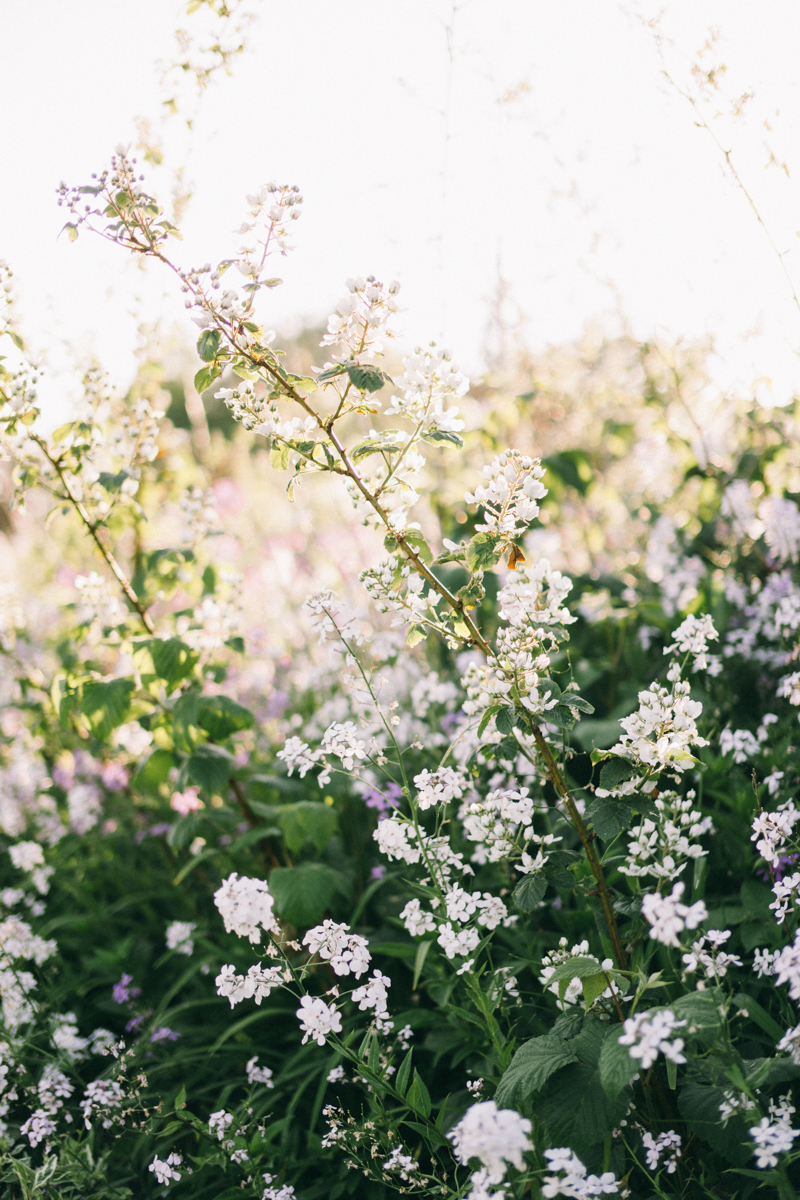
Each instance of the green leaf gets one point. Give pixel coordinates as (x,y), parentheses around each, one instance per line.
(505,720)
(617,1068)
(419,962)
(307,820)
(609,817)
(577,1111)
(208,344)
(614,772)
(700,1010)
(154,772)
(331,373)
(210,768)
(699,1106)
(205,377)
(106,705)
(185,730)
(367,378)
(279,456)
(373,446)
(579,967)
(443,437)
(112,483)
(220,716)
(180,1099)
(172,659)
(484,551)
(529,891)
(531,1067)
(487,716)
(573,700)
(594,986)
(759,1015)
(418,1096)
(302,894)
(403,1074)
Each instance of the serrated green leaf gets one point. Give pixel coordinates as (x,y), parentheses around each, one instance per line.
(208,344)
(484,551)
(529,891)
(487,716)
(505,720)
(172,659)
(573,700)
(106,705)
(210,768)
(302,894)
(614,772)
(617,1068)
(308,820)
(367,378)
(220,716)
(279,456)
(530,1068)
(609,817)
(112,483)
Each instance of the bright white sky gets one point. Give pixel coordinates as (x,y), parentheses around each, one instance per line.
(545,147)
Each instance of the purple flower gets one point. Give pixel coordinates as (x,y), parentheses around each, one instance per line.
(384,801)
(136,1023)
(62,778)
(377,872)
(161,827)
(785,861)
(115,776)
(122,992)
(162,1034)
(448,721)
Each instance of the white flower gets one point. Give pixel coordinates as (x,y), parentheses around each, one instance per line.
(772,1138)
(38,1127)
(179,936)
(510,494)
(347,953)
(647,1034)
(655,1147)
(787,967)
(392,838)
(54,1088)
(669,917)
(256,984)
(165,1171)
(318,1019)
(218,1122)
(494,1136)
(340,739)
(457,942)
(256,1074)
(402,1163)
(26,855)
(102,1093)
(692,637)
(373,994)
(417,921)
(245,906)
(438,787)
(574,1181)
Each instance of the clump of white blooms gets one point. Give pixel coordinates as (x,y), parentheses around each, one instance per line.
(669,917)
(665,842)
(734,1103)
(245,906)
(26,855)
(219,1123)
(570,1177)
(402,1163)
(257,1074)
(38,1127)
(179,936)
(771,831)
(494,1136)
(692,637)
(705,955)
(99,1095)
(786,967)
(347,953)
(667,1146)
(318,1019)
(361,320)
(510,494)
(164,1169)
(774,1134)
(647,1034)
(658,736)
(438,787)
(255,985)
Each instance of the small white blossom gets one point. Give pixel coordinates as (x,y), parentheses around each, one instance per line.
(318,1019)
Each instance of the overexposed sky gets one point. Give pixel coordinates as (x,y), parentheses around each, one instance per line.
(444,145)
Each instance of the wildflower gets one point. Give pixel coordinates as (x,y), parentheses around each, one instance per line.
(318,1019)
(669,917)
(256,1074)
(245,906)
(102,1093)
(165,1170)
(692,637)
(771,1139)
(26,855)
(438,787)
(404,1164)
(787,967)
(346,952)
(219,1122)
(164,1034)
(647,1034)
(122,992)
(493,1136)
(186,802)
(38,1127)
(663,1145)
(574,1181)
(179,936)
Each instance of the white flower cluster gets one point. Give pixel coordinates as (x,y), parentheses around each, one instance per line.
(734,1103)
(99,1095)
(180,935)
(510,494)
(439,787)
(647,1034)
(572,1180)
(361,321)
(340,739)
(38,1127)
(404,1164)
(394,837)
(53,1088)
(781,517)
(712,961)
(17,940)
(347,953)
(318,1019)
(669,917)
(372,995)
(786,892)
(200,517)
(333,619)
(771,831)
(431,382)
(257,1074)
(495,1136)
(663,845)
(256,984)
(164,1169)
(786,967)
(658,735)
(676,573)
(692,637)
(666,1145)
(774,1134)
(219,1123)
(574,989)
(245,906)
